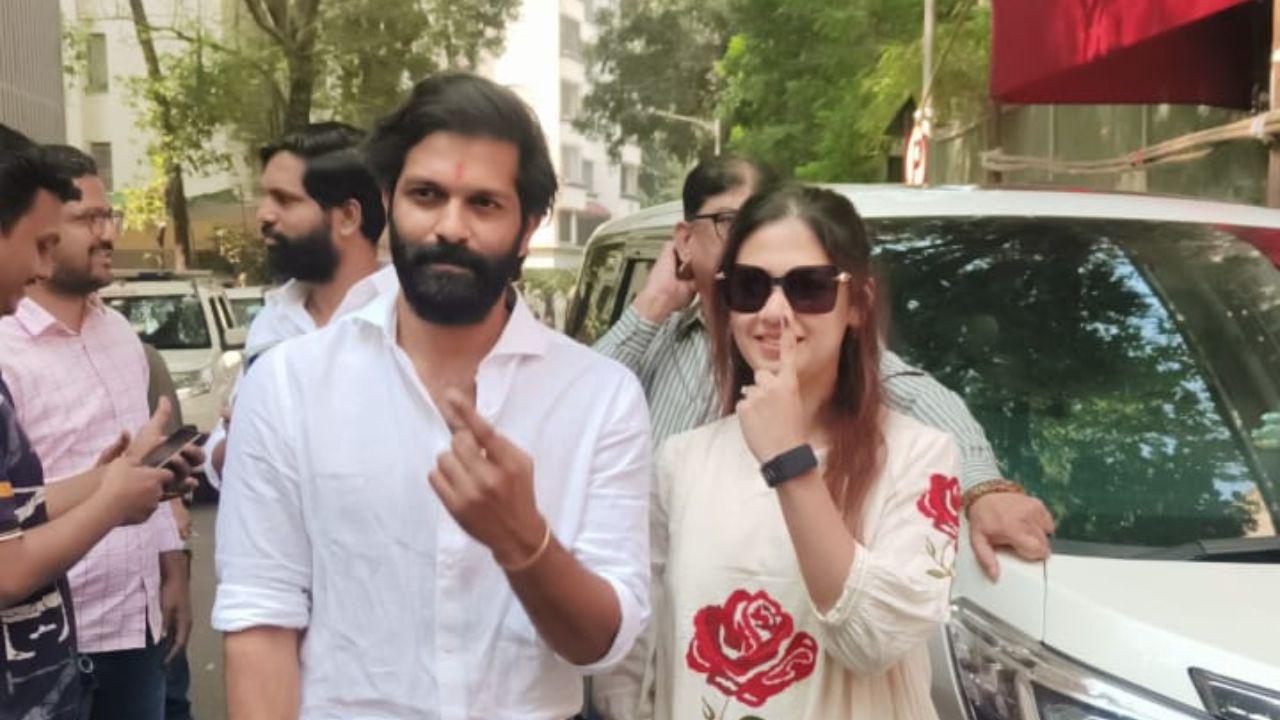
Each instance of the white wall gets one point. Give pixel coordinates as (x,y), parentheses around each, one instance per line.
(533,66)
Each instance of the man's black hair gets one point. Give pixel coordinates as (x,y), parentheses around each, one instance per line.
(335,171)
(23,173)
(68,161)
(12,141)
(475,107)
(721,174)
(314,140)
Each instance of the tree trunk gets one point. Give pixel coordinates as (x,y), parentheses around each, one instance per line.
(292,27)
(175,198)
(302,81)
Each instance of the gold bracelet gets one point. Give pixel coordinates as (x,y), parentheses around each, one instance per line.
(988,487)
(537,554)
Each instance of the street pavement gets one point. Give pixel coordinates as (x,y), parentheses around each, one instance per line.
(208,699)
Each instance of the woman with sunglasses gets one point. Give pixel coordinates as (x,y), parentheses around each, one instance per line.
(803,543)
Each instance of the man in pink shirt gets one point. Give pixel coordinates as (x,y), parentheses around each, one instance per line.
(78,375)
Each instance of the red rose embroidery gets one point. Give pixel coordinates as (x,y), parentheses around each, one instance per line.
(740,647)
(941,504)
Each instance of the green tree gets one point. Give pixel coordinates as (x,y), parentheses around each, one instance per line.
(811,86)
(808,86)
(373,50)
(656,55)
(287,63)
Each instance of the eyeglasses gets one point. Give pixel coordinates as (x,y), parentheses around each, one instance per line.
(96,220)
(810,289)
(721,221)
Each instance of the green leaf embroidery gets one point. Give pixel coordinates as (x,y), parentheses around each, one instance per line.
(707,711)
(934,572)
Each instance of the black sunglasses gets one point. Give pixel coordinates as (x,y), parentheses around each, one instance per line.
(811,289)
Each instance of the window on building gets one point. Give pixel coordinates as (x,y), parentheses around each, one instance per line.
(99,77)
(571,164)
(570,37)
(589,176)
(630,181)
(570,100)
(101,153)
(565,227)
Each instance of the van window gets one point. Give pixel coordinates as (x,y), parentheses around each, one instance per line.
(598,291)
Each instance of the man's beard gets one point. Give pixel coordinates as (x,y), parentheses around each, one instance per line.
(451,296)
(79,282)
(309,258)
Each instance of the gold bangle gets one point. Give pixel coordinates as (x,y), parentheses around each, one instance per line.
(537,554)
(988,487)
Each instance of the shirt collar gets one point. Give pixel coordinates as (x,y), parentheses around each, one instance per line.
(294,292)
(523,334)
(37,321)
(690,319)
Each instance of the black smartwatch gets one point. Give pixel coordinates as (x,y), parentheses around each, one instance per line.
(791,464)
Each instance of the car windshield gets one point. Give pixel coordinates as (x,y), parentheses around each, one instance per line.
(167,322)
(1126,372)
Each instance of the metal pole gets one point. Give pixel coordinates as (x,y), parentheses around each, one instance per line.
(926,56)
(1273,162)
(716,129)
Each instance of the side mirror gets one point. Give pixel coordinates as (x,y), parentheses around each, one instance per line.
(233,338)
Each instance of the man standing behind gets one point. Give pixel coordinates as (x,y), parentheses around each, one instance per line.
(78,375)
(321,215)
(436,507)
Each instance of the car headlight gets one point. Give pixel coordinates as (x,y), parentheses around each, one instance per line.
(1235,700)
(190,384)
(1006,675)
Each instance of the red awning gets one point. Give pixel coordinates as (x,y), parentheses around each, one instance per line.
(1126,51)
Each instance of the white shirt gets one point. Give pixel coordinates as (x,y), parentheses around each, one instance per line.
(327,521)
(285,316)
(733,625)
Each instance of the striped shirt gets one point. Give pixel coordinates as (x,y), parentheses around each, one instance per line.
(672,360)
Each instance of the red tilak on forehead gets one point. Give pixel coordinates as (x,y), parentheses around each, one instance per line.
(457,172)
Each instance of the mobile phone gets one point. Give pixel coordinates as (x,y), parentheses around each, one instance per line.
(165,452)
(171,446)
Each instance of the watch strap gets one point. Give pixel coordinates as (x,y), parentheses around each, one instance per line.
(789,465)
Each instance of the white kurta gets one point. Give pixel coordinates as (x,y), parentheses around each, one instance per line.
(735,634)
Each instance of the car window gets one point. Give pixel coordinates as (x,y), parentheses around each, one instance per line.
(597,292)
(1121,370)
(168,322)
(244,310)
(634,276)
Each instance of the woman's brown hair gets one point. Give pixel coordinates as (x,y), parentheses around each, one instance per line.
(857,433)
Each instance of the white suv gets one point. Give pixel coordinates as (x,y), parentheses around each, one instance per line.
(189,320)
